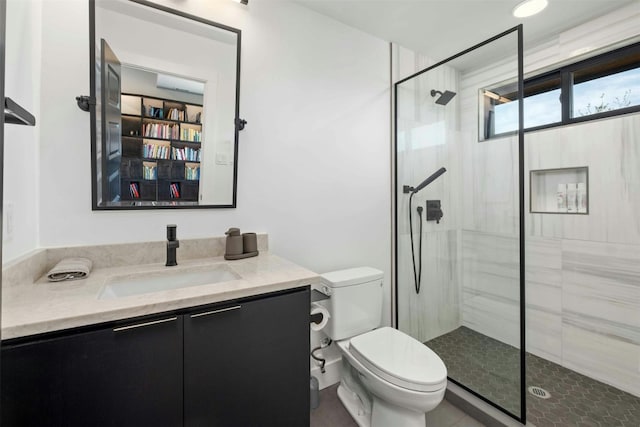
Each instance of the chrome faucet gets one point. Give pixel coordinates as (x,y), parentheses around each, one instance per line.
(172,244)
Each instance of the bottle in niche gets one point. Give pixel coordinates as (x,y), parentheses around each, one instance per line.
(582,197)
(561,197)
(572,199)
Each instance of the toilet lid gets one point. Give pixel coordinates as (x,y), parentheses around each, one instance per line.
(400,359)
(351,276)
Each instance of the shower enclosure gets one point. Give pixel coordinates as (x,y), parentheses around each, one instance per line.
(459,269)
(476,199)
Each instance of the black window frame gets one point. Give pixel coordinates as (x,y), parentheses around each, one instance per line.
(566,86)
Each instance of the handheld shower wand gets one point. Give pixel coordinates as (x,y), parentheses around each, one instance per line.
(429,180)
(417,274)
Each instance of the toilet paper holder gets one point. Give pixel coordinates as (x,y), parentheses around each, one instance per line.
(316,318)
(316,296)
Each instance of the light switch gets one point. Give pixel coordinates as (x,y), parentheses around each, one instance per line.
(222,159)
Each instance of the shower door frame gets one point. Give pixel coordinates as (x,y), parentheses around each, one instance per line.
(521,205)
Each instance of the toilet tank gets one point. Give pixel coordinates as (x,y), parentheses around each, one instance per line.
(355,302)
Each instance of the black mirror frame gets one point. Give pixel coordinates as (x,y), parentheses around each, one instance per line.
(93,119)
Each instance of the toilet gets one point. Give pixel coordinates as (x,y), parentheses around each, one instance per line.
(388,378)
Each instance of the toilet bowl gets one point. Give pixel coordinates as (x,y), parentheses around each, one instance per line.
(405,379)
(388,378)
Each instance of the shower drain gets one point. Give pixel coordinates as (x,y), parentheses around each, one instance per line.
(539,392)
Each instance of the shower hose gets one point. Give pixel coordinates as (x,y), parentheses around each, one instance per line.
(417,274)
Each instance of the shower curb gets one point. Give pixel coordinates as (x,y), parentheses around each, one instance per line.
(478,409)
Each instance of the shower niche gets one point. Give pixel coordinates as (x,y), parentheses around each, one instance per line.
(559,191)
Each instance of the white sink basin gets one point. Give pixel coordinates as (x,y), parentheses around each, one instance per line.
(125,286)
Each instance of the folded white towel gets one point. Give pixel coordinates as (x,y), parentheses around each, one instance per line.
(70,269)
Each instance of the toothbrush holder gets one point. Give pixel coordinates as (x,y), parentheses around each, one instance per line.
(250,243)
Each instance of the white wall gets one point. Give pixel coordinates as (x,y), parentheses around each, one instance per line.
(136,80)
(21,152)
(313,160)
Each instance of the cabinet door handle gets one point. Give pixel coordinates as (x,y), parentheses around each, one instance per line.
(140,325)
(222,310)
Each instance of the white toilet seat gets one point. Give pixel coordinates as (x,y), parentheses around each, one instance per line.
(399,359)
(392,405)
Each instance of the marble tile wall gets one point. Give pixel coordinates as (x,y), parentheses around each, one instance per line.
(582,272)
(582,279)
(427,141)
(610,149)
(436,309)
(601,311)
(582,301)
(543,296)
(490,286)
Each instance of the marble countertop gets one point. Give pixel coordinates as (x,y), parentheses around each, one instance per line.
(43,306)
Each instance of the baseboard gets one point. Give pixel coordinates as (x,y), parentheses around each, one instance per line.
(331,375)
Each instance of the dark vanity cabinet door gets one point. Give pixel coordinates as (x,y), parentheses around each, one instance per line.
(247,364)
(124,376)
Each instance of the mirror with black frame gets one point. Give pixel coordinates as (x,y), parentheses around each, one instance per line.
(164,126)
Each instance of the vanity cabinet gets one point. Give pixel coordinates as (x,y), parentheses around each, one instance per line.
(239,363)
(247,364)
(127,375)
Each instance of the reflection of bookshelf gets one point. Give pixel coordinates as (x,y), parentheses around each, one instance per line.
(161,149)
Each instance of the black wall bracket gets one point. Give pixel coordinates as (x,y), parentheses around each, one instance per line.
(240,123)
(85,102)
(15,114)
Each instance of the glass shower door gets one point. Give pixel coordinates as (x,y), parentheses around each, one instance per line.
(459,215)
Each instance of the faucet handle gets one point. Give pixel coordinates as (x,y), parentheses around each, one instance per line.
(172,232)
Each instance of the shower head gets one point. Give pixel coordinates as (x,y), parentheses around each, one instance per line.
(444,97)
(429,180)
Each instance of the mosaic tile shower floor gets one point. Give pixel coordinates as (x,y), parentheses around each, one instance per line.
(492,368)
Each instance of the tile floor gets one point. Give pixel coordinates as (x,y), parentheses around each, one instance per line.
(331,413)
(492,368)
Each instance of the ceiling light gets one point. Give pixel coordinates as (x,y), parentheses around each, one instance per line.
(529,8)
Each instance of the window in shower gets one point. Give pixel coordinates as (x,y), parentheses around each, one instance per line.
(594,93)
(542,106)
(601,86)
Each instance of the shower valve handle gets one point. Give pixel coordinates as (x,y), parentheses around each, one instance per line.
(434,211)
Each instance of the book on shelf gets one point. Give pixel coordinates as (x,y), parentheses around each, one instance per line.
(186,153)
(134,191)
(174,190)
(155,151)
(191,172)
(149,170)
(190,135)
(175,114)
(156,112)
(161,131)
